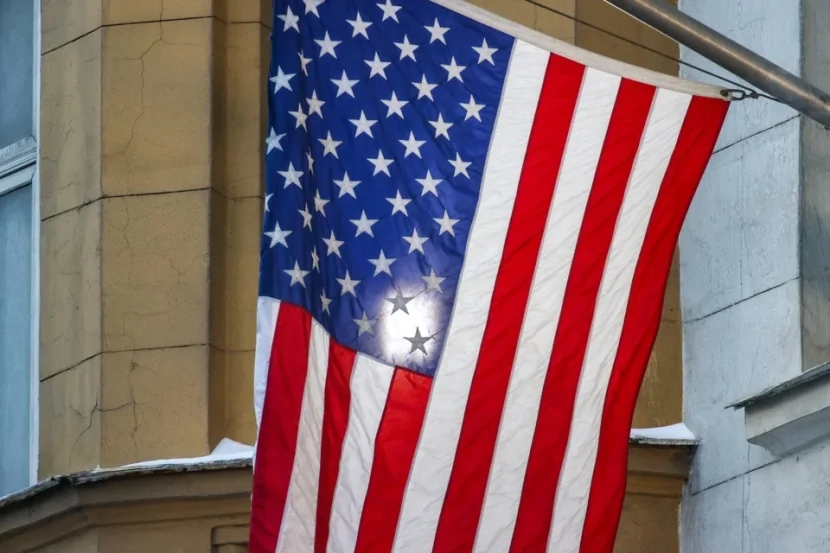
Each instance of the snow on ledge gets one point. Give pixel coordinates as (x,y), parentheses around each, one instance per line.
(227,454)
(676,434)
(226,450)
(230,450)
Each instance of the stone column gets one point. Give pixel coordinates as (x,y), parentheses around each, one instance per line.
(754,276)
(241,78)
(151,194)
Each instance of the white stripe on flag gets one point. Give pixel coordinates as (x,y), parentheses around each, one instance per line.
(544,305)
(369,390)
(433,461)
(298,523)
(660,137)
(266,322)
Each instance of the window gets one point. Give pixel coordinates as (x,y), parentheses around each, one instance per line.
(19,236)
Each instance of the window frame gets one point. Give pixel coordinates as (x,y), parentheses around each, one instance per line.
(19,167)
(17,156)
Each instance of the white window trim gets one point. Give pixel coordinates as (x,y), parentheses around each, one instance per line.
(18,179)
(20,154)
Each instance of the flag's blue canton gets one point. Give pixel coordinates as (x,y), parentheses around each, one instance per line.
(380,118)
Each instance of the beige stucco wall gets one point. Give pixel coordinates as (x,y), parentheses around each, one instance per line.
(151,191)
(152,126)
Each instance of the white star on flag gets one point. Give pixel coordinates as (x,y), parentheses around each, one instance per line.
(441,127)
(320,203)
(390,11)
(381,164)
(472,108)
(300,116)
(346,186)
(364,325)
(412,146)
(437,32)
(460,166)
(416,243)
(273,141)
(345,85)
(315,259)
(485,53)
(315,105)
(359,26)
(330,145)
(290,20)
(327,45)
(377,66)
(364,125)
(333,245)
(394,106)
(446,224)
(433,282)
(306,216)
(297,276)
(282,80)
(430,184)
(312,5)
(325,302)
(304,61)
(278,236)
(364,224)
(453,70)
(347,285)
(382,264)
(292,176)
(398,203)
(424,88)
(407,48)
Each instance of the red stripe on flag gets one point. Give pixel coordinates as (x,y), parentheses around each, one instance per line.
(335,420)
(395,445)
(696,141)
(474,454)
(619,150)
(279,427)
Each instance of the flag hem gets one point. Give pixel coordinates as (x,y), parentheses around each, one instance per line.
(585,57)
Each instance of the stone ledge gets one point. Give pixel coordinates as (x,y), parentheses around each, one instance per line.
(658,469)
(207,489)
(55,509)
(791,416)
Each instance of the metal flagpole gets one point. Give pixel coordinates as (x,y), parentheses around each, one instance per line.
(754,69)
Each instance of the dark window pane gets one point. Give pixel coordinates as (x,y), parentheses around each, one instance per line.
(15,337)
(16,70)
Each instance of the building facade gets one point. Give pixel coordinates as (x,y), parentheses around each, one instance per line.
(755,291)
(131,195)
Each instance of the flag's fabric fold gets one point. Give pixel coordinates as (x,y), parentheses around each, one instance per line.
(468,230)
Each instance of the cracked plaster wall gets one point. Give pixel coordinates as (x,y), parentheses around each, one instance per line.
(151,202)
(755,292)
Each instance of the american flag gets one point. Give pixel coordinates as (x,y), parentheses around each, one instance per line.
(468,231)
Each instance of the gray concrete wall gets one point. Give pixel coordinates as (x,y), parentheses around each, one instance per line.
(755,292)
